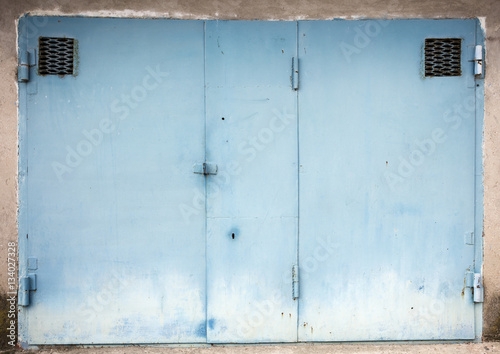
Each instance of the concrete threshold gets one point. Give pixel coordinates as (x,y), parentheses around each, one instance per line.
(473,348)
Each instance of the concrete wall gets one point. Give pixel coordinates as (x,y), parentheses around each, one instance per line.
(265,10)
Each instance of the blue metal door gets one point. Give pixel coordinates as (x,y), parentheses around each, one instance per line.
(252,201)
(387,181)
(108,220)
(178,185)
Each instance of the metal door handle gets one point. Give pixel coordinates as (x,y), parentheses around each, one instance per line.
(205,168)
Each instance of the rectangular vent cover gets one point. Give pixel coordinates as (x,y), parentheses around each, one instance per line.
(442,57)
(56,56)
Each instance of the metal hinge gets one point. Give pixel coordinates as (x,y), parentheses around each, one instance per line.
(205,168)
(474,281)
(23,69)
(27,283)
(295,281)
(27,59)
(478,61)
(295,74)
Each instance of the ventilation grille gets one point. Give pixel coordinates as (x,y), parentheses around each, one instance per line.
(56,56)
(442,57)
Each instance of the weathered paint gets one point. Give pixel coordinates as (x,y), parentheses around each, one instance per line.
(254,195)
(139,255)
(110,155)
(388,172)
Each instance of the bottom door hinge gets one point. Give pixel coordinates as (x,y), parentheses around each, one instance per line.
(475,282)
(26,285)
(295,281)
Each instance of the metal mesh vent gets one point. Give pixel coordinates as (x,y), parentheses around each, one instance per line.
(56,56)
(442,57)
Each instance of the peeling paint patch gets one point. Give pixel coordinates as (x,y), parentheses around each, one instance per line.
(482,23)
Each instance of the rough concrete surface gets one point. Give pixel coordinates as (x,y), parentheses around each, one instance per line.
(269,10)
(475,348)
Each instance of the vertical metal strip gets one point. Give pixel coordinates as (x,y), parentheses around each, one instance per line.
(206,179)
(295,282)
(297,234)
(22,174)
(295,73)
(478,180)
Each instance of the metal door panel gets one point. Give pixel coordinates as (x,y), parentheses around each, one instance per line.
(251,301)
(129,249)
(387,174)
(252,137)
(119,258)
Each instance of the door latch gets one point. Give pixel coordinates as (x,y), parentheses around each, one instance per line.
(205,168)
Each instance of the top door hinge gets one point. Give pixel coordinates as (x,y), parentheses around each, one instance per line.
(295,74)
(478,62)
(23,70)
(26,60)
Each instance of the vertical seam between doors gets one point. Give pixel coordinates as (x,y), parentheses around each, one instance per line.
(205,179)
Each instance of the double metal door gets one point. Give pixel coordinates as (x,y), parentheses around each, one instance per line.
(190,182)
